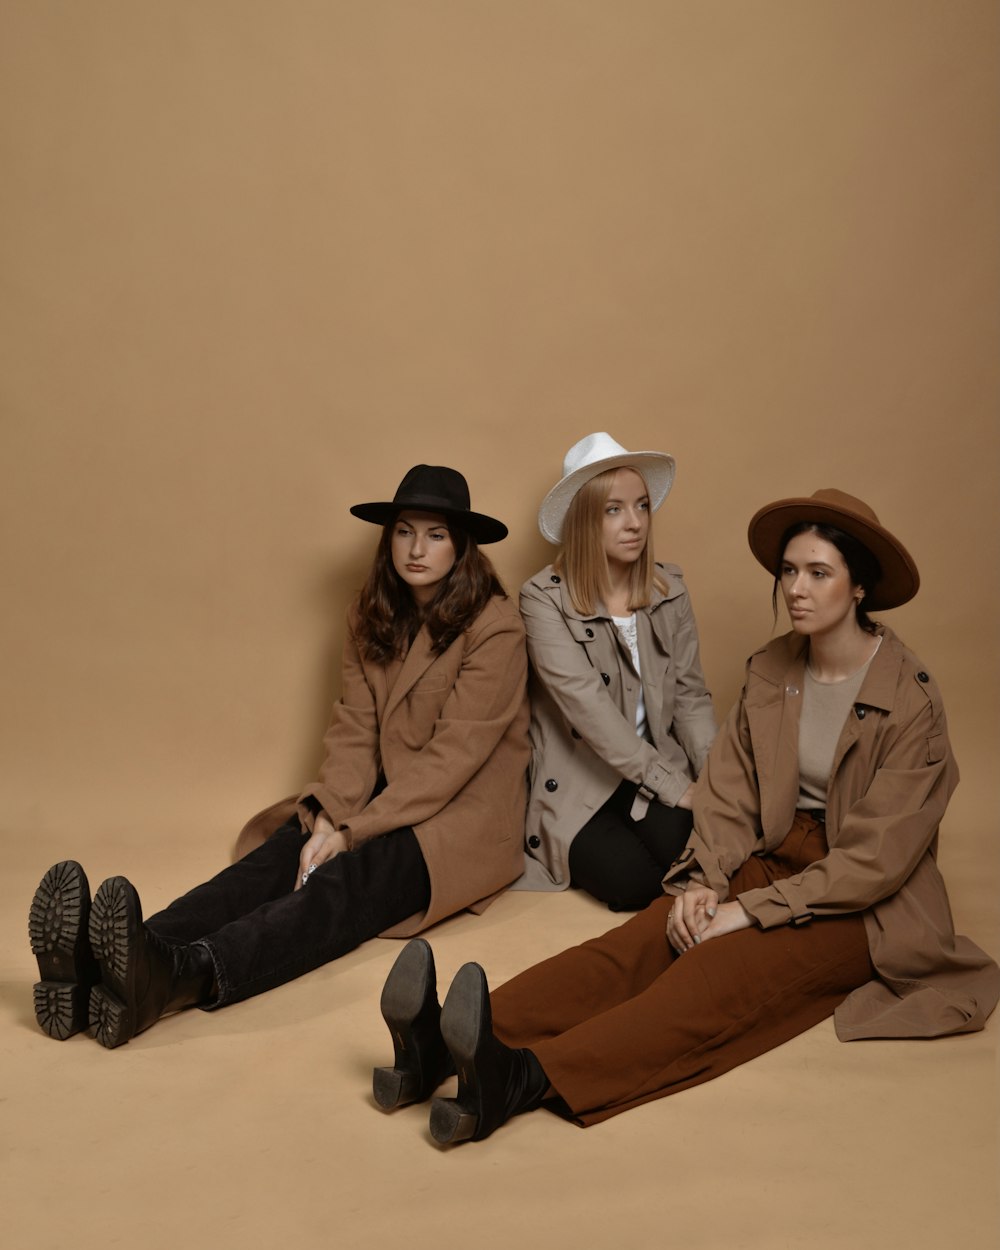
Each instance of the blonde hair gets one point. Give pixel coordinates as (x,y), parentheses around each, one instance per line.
(582,560)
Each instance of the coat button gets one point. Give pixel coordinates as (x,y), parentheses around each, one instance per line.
(589,633)
(552,785)
(574,733)
(534,842)
(791,690)
(860,713)
(922,677)
(606,679)
(555,579)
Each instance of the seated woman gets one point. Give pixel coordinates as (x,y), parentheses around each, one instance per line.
(418,811)
(621,721)
(809,887)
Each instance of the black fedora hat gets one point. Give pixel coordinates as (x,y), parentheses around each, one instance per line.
(435,488)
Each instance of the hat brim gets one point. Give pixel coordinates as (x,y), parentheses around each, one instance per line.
(657,469)
(900,579)
(484,529)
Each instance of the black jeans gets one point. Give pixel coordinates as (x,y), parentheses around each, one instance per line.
(622,861)
(261,934)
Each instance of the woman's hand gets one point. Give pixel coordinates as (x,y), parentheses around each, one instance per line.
(325,843)
(728,918)
(691,914)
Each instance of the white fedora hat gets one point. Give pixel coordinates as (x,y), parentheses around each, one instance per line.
(593,455)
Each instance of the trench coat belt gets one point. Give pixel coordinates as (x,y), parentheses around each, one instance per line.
(640,804)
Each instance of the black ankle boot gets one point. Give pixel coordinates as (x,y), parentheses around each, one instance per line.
(411,1010)
(57,926)
(494,1081)
(141,978)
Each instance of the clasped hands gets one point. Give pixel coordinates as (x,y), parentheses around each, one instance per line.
(697,916)
(324,843)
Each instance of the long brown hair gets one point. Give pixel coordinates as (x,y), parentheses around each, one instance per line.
(389,616)
(582,560)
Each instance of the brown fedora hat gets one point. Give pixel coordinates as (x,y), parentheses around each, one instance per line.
(900,580)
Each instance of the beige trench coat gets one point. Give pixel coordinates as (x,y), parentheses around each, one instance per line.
(893,774)
(584,693)
(450,733)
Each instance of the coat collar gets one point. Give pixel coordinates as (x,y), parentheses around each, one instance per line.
(784,660)
(553,583)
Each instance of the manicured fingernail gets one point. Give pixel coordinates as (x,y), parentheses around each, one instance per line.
(697,941)
(711,911)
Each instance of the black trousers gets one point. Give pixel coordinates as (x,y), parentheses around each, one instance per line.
(261,934)
(621,861)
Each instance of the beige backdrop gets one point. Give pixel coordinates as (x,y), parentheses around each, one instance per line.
(260,258)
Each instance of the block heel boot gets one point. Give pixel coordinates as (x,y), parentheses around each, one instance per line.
(495,1082)
(412,1013)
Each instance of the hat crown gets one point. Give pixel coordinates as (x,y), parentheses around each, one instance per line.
(434,488)
(846,503)
(430,483)
(591,450)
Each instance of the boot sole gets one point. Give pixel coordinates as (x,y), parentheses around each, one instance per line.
(57,923)
(465,1018)
(115,918)
(111,1022)
(403,997)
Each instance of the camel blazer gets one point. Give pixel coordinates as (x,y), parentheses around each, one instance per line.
(893,773)
(450,735)
(584,693)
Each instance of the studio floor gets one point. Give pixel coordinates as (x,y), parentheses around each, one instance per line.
(254,1126)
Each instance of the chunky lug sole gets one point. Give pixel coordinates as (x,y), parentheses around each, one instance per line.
(467,1029)
(57,928)
(115,926)
(409,993)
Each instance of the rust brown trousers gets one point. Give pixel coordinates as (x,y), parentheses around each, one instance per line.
(622,1019)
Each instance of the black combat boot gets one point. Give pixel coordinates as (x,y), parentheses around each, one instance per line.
(57,927)
(142,978)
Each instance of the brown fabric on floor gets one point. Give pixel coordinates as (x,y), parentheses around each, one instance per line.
(622,1019)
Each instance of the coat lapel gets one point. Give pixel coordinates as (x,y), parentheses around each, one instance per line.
(877,691)
(654,659)
(774,708)
(403,675)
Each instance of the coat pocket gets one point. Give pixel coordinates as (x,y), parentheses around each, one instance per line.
(936,747)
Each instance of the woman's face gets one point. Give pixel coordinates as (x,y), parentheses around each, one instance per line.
(818,591)
(422,552)
(626,518)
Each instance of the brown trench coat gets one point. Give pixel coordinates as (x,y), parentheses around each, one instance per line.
(450,733)
(584,693)
(893,774)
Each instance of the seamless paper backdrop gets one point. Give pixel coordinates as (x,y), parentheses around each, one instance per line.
(260,259)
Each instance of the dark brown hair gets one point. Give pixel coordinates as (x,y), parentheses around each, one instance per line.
(389,616)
